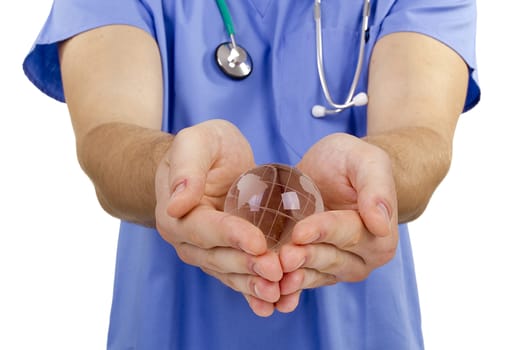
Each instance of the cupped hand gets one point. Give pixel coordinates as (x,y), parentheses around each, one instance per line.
(191,184)
(357,234)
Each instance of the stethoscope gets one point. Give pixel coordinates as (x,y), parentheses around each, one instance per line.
(237,64)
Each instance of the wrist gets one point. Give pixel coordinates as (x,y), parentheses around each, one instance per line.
(420,160)
(121,161)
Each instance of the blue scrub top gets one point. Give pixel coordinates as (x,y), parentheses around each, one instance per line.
(160,302)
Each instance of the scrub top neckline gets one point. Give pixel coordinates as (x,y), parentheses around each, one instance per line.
(261,6)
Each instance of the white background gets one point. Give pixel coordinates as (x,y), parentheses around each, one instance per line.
(57,248)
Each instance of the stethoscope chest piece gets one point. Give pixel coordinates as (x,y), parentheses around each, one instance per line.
(233,60)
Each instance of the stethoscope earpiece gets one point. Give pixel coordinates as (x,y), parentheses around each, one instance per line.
(318,111)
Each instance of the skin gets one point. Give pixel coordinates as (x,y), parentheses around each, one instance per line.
(416,90)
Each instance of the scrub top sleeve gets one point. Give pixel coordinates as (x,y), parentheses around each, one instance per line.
(452,22)
(69,18)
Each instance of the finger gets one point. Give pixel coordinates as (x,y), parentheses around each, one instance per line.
(345,230)
(228,260)
(377,250)
(288,303)
(304,278)
(342,228)
(325,259)
(249,285)
(259,307)
(191,156)
(373,179)
(206,228)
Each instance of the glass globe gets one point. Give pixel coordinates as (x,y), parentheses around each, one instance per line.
(274,197)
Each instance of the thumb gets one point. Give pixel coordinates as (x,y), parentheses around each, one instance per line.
(376,195)
(378,215)
(189,159)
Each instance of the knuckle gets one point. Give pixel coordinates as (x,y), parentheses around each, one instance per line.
(359,275)
(299,277)
(385,256)
(351,239)
(163,232)
(310,257)
(384,253)
(230,238)
(330,280)
(248,263)
(324,257)
(337,260)
(186,132)
(309,279)
(211,261)
(249,285)
(318,279)
(333,215)
(163,229)
(184,253)
(345,271)
(233,241)
(350,232)
(228,280)
(195,238)
(344,275)
(353,271)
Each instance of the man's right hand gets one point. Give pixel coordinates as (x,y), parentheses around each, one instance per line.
(191,183)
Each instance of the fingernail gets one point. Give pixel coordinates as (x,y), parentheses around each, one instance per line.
(255,269)
(245,249)
(384,210)
(256,290)
(312,238)
(299,264)
(179,188)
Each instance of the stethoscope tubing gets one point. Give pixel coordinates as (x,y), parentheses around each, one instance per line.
(236,62)
(349,102)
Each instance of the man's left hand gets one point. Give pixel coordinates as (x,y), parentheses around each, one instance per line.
(357,234)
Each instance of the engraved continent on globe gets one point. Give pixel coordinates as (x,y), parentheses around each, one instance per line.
(274,197)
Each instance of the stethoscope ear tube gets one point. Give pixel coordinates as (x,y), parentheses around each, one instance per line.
(352,100)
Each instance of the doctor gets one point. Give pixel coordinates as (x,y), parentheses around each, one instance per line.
(163,129)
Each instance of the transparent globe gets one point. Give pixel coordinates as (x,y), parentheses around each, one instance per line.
(274,197)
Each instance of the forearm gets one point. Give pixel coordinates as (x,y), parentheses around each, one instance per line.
(121,160)
(420,160)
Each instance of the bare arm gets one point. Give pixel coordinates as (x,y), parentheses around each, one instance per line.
(113,87)
(417,89)
(115,105)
